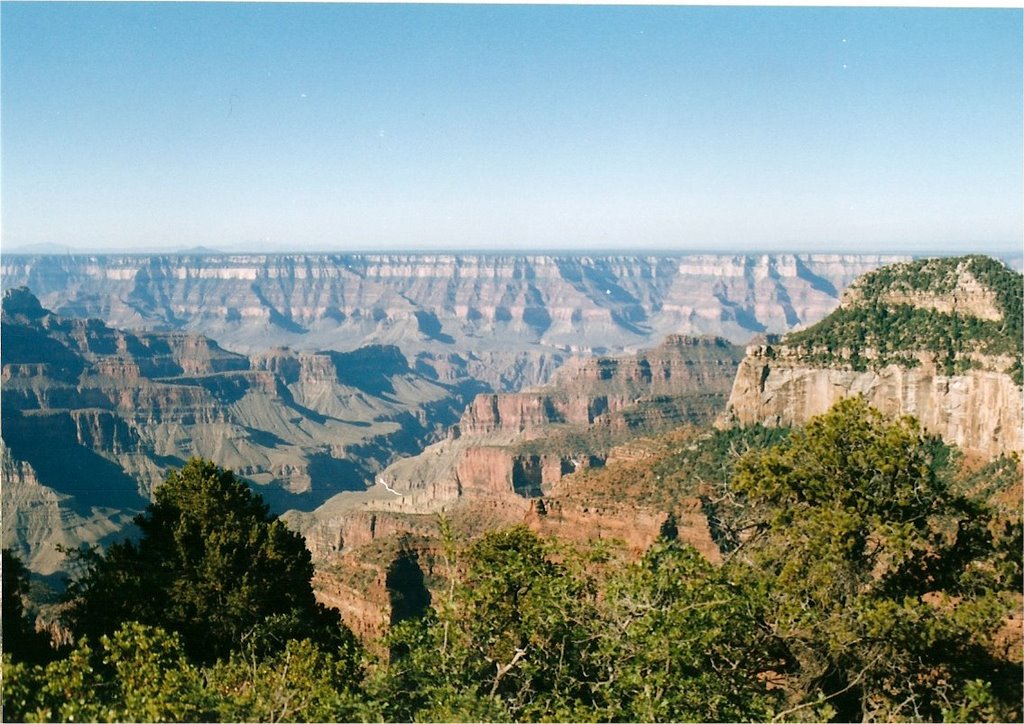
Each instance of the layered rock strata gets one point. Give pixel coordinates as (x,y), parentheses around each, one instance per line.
(513,448)
(93,417)
(508,321)
(980,411)
(937,339)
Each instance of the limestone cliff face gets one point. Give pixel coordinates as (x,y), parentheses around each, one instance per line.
(979,410)
(939,339)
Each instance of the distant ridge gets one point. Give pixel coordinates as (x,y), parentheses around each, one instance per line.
(199,251)
(40,249)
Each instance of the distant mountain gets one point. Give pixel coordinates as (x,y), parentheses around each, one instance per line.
(941,339)
(93,417)
(39,249)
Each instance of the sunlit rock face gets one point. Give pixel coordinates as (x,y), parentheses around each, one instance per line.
(969,398)
(979,410)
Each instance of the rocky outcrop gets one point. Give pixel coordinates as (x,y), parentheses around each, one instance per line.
(570,520)
(601,388)
(683,380)
(513,448)
(979,410)
(939,339)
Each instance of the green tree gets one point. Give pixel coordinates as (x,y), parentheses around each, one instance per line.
(505,641)
(212,565)
(300,683)
(139,673)
(880,574)
(679,640)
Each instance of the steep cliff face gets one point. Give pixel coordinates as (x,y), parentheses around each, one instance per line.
(980,411)
(93,417)
(939,340)
(683,380)
(597,389)
(508,321)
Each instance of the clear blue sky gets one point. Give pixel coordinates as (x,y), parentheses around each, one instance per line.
(326,126)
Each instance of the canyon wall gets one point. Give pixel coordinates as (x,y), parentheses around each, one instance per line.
(93,417)
(509,450)
(979,410)
(508,321)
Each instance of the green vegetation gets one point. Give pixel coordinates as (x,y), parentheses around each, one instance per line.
(865,577)
(883,587)
(212,565)
(874,331)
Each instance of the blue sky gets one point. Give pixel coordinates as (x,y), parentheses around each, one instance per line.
(332,126)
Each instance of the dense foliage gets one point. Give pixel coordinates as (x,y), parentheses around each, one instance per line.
(212,565)
(864,578)
(874,331)
(882,580)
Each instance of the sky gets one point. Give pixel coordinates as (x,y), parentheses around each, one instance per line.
(524,127)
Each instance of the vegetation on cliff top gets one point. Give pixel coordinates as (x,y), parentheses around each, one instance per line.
(872,331)
(861,581)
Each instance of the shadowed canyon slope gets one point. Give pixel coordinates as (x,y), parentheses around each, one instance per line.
(506,320)
(939,339)
(94,416)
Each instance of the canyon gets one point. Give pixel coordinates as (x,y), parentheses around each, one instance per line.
(310,373)
(93,417)
(366,395)
(508,448)
(551,458)
(508,321)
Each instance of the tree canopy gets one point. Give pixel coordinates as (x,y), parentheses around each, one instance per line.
(212,565)
(881,576)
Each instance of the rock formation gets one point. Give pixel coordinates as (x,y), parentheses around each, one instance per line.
(509,449)
(947,355)
(94,416)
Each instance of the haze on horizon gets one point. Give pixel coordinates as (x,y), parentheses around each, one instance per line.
(336,127)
